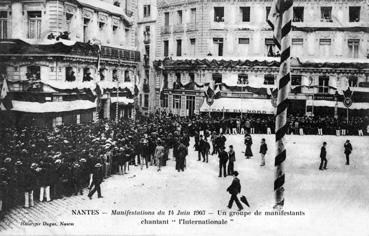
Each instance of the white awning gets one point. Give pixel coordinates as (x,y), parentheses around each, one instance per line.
(121,100)
(323,103)
(238,105)
(47,107)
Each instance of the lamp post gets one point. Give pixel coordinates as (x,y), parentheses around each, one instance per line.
(336,105)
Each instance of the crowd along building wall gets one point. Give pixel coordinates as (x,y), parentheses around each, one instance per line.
(329,50)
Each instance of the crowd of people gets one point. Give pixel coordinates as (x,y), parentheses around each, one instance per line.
(46,164)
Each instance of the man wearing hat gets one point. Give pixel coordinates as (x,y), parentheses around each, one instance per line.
(348,150)
(223,158)
(96,179)
(29,185)
(234,189)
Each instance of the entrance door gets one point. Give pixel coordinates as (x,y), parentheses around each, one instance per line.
(190,105)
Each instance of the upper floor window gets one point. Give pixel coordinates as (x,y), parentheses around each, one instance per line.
(180,17)
(115,75)
(219,14)
(179,47)
(245,14)
(354,14)
(164,100)
(243,46)
(3,24)
(353,45)
(325,47)
(166,18)
(193,15)
(268,79)
(297,46)
(193,47)
(243,79)
(267,11)
(298,14)
(165,80)
(68,19)
(326,14)
(218,46)
(272,50)
(166,48)
(147,10)
(178,83)
(34,24)
(323,84)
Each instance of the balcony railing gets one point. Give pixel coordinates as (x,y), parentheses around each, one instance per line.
(165,29)
(178,28)
(117,53)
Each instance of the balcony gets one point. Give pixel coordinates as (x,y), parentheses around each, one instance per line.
(165,29)
(117,53)
(179,28)
(191,27)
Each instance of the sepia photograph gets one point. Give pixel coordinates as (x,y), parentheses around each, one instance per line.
(184,117)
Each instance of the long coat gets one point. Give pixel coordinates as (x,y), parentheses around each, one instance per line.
(248,142)
(235,187)
(348,148)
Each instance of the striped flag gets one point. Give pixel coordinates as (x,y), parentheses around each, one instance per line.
(5,99)
(280,19)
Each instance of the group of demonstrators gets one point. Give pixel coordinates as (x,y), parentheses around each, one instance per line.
(298,125)
(50,163)
(47,164)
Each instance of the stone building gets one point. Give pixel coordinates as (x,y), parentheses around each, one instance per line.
(68,61)
(146,35)
(227,45)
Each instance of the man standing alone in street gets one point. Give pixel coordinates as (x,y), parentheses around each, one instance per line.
(223,158)
(234,189)
(263,151)
(323,157)
(348,150)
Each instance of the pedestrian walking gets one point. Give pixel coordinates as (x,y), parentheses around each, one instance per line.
(234,189)
(348,150)
(323,157)
(263,151)
(96,179)
(159,154)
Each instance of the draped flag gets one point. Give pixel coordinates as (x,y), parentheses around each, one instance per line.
(280,18)
(5,99)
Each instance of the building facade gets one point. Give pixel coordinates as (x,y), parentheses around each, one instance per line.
(227,45)
(69,61)
(146,35)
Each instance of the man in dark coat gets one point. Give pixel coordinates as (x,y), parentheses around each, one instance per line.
(234,189)
(348,150)
(248,143)
(323,157)
(223,158)
(96,179)
(181,154)
(232,159)
(206,151)
(263,151)
(201,148)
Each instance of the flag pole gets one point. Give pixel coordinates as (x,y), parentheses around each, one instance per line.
(282,10)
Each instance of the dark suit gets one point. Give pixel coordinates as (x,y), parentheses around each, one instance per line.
(223,158)
(348,150)
(234,189)
(97,179)
(323,158)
